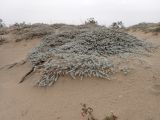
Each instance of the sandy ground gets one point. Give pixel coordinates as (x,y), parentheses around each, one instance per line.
(135,96)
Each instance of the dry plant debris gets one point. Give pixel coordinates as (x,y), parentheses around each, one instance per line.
(87,112)
(9,66)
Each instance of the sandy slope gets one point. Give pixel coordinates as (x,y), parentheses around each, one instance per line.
(132,97)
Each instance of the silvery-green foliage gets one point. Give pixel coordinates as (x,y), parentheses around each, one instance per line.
(82,52)
(82,66)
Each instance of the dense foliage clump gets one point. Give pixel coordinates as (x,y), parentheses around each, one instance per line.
(82,53)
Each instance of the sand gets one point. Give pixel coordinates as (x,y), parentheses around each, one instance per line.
(134,96)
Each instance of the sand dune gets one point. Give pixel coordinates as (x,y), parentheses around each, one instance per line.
(134,96)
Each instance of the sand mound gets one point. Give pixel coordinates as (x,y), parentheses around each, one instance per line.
(146,27)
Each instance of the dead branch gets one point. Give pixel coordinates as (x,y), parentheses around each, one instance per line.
(87,112)
(27,74)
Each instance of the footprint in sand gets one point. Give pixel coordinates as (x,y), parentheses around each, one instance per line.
(156,88)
